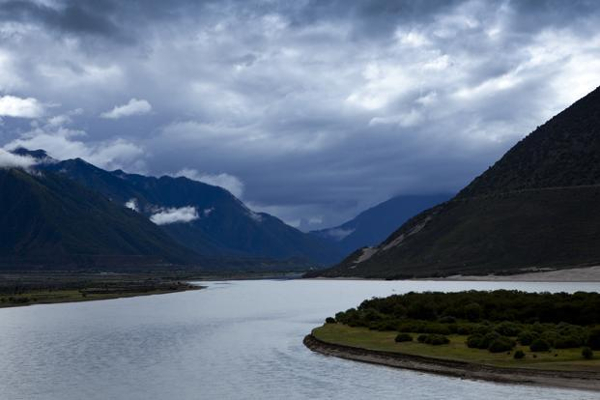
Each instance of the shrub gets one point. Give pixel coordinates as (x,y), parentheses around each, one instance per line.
(519,355)
(593,340)
(508,329)
(436,340)
(473,311)
(421,310)
(478,341)
(463,330)
(539,345)
(550,337)
(403,337)
(501,344)
(475,342)
(527,337)
(399,310)
(489,338)
(587,353)
(330,320)
(482,329)
(388,325)
(567,342)
(433,339)
(447,320)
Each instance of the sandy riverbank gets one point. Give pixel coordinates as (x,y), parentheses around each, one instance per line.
(582,380)
(587,274)
(584,274)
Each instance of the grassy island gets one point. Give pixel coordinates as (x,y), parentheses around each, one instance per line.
(501,330)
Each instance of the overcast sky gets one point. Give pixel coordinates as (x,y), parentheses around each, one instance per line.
(309,110)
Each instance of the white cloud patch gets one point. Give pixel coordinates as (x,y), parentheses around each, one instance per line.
(10,160)
(175,215)
(12,106)
(134,107)
(229,182)
(132,204)
(405,120)
(63,143)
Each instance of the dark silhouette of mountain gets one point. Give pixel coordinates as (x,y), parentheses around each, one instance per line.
(222,225)
(372,226)
(49,221)
(537,207)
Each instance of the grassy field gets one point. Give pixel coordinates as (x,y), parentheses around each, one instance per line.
(564,359)
(64,296)
(44,288)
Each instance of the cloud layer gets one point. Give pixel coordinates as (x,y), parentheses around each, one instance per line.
(175,215)
(320,109)
(12,106)
(226,181)
(133,107)
(9,160)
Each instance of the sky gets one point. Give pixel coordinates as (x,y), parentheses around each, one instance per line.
(309,110)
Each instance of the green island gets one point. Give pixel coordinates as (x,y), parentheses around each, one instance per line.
(22,289)
(509,336)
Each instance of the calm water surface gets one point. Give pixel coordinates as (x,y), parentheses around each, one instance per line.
(233,340)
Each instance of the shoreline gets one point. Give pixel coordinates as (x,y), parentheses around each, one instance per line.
(580,274)
(581,380)
(45,297)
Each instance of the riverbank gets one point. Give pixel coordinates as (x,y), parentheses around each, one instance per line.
(582,380)
(582,274)
(24,289)
(587,274)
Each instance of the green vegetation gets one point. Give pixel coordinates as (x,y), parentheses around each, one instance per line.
(500,327)
(519,354)
(403,337)
(456,349)
(26,289)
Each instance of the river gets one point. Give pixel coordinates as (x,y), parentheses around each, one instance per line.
(232,340)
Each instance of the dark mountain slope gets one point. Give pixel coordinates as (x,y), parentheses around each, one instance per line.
(224,227)
(565,151)
(372,226)
(50,220)
(538,207)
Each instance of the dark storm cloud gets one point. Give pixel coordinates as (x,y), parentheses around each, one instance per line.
(309,109)
(72,17)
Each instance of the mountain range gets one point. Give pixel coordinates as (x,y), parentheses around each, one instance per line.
(373,225)
(46,221)
(538,207)
(72,213)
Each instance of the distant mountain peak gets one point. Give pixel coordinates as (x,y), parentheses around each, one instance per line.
(37,154)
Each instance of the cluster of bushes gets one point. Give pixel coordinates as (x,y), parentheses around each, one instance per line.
(580,308)
(495,321)
(492,341)
(433,339)
(403,337)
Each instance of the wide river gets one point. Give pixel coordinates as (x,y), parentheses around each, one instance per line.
(233,340)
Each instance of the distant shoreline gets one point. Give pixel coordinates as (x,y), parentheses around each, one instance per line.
(582,274)
(459,369)
(91,291)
